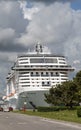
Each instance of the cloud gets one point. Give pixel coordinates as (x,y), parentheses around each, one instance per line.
(7,41)
(50,1)
(12,24)
(76,62)
(51,24)
(28,12)
(11,16)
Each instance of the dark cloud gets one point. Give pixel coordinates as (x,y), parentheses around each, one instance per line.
(11,16)
(49,1)
(12,24)
(10,47)
(44,1)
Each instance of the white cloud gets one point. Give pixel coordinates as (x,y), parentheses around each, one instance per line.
(28,12)
(51,24)
(76,62)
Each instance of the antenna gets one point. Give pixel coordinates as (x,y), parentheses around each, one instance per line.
(39,48)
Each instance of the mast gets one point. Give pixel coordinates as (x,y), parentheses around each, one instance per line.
(39,48)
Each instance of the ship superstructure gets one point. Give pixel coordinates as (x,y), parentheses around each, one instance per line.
(33,75)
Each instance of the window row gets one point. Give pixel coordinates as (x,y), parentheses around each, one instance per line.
(44,73)
(43,60)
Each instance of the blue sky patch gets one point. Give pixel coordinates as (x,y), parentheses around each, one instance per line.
(76,4)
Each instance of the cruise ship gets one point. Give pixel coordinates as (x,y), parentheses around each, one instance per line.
(32,75)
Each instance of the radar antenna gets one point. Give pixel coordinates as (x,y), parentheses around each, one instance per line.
(39,48)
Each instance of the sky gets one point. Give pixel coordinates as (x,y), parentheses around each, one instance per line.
(54,23)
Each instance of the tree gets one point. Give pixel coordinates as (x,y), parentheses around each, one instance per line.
(65,93)
(77,80)
(53,96)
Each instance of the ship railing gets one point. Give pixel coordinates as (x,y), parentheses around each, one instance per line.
(44,67)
